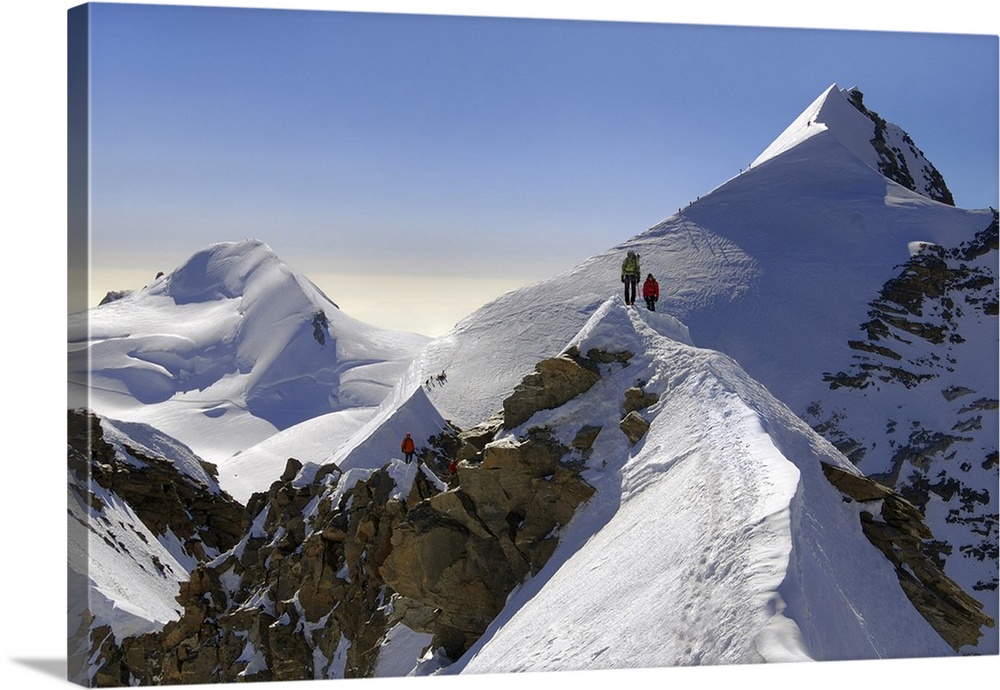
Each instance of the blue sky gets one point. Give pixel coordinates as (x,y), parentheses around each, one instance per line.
(412,163)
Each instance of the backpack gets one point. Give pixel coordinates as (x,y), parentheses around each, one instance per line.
(631,264)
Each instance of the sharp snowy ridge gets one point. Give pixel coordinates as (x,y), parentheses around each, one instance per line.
(710,542)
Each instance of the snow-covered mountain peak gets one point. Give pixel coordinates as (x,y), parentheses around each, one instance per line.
(842,115)
(227,270)
(803,127)
(232,333)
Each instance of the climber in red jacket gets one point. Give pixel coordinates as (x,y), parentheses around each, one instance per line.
(408,447)
(651,292)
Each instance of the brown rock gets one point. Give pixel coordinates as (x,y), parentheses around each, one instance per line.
(637,399)
(634,427)
(554,382)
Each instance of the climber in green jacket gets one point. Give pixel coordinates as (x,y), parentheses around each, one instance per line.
(630,275)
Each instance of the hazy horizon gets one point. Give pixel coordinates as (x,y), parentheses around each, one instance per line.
(386,301)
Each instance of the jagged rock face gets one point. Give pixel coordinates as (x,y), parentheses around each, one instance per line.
(281,605)
(897,529)
(164,499)
(889,142)
(287,605)
(910,415)
(474,440)
(170,506)
(935,287)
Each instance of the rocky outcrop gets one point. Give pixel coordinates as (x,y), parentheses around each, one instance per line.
(113,296)
(583,442)
(933,289)
(471,442)
(554,382)
(457,556)
(300,597)
(170,505)
(637,399)
(634,427)
(303,598)
(166,501)
(896,528)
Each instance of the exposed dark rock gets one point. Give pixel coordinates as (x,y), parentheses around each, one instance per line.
(943,453)
(896,527)
(584,440)
(164,500)
(460,553)
(474,440)
(556,381)
(292,469)
(169,504)
(892,160)
(321,327)
(317,579)
(114,296)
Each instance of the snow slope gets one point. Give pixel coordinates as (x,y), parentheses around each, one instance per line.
(310,442)
(131,578)
(913,401)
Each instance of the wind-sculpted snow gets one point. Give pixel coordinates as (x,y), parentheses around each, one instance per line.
(715,540)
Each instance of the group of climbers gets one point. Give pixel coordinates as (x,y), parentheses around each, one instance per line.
(630,278)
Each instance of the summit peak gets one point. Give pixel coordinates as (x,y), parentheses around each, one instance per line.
(882,145)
